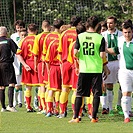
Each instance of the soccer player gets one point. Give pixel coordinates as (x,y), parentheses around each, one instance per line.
(90,47)
(37,52)
(124,48)
(29,78)
(67,38)
(54,72)
(111,36)
(19,24)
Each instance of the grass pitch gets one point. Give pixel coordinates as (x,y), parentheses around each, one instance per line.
(23,122)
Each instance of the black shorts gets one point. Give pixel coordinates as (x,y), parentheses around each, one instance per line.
(7,74)
(88,81)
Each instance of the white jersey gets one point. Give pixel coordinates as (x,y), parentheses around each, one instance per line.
(116,34)
(126,53)
(17,65)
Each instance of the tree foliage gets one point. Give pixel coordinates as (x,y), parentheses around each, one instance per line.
(122,9)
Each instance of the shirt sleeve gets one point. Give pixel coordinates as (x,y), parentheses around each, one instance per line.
(77,44)
(102,47)
(13,46)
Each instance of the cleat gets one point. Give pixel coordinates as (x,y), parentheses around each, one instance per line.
(111,113)
(48,115)
(90,116)
(74,120)
(94,120)
(11,109)
(20,105)
(56,114)
(61,116)
(126,120)
(105,111)
(3,110)
(119,109)
(30,110)
(44,112)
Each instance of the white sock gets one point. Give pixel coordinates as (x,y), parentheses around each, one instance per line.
(110,99)
(20,96)
(126,105)
(15,100)
(119,97)
(103,100)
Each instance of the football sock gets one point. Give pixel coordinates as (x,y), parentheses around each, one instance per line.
(96,101)
(57,98)
(63,102)
(110,98)
(103,100)
(42,98)
(10,95)
(2,98)
(73,100)
(49,104)
(78,103)
(20,95)
(126,104)
(119,97)
(39,99)
(15,96)
(28,98)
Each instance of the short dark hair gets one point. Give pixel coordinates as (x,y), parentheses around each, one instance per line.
(127,25)
(75,20)
(20,23)
(32,27)
(23,30)
(92,22)
(80,28)
(58,23)
(113,17)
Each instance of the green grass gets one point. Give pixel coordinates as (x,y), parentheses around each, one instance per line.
(23,122)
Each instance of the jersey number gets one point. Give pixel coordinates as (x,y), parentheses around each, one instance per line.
(88,48)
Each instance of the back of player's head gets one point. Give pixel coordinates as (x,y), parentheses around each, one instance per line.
(3,31)
(19,23)
(112,17)
(75,20)
(58,23)
(127,25)
(80,28)
(32,27)
(45,23)
(92,22)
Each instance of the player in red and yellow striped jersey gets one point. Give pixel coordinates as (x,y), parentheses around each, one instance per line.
(50,55)
(29,78)
(37,52)
(65,46)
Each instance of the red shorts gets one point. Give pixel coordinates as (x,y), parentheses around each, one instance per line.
(74,80)
(45,75)
(67,74)
(29,77)
(55,78)
(40,76)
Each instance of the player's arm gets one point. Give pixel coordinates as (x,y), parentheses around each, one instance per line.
(23,62)
(114,51)
(76,48)
(102,49)
(35,52)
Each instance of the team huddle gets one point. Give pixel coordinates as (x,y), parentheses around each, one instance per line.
(87,58)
